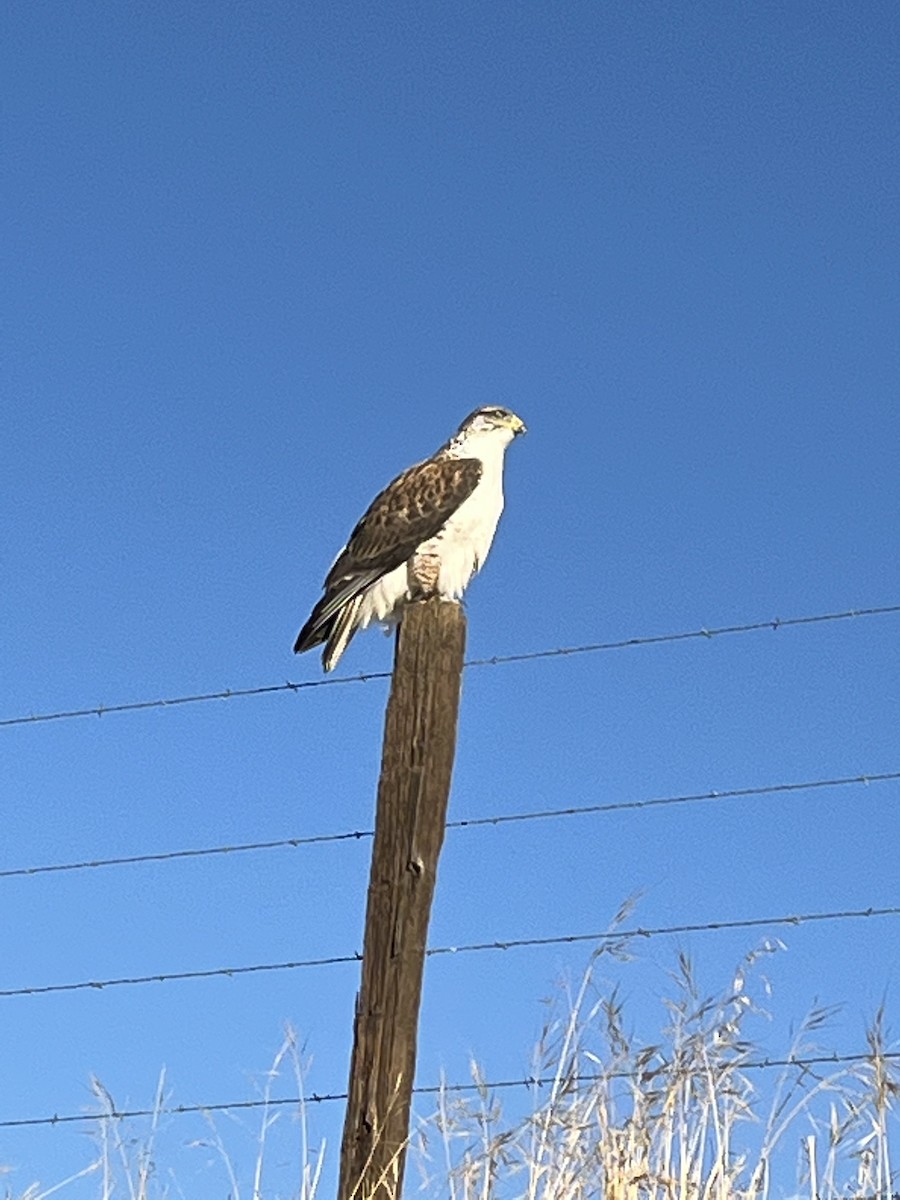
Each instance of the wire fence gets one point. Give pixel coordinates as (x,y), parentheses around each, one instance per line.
(800,1063)
(619,936)
(703,634)
(603,937)
(497,819)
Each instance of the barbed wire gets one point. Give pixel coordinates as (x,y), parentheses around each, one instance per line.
(102,710)
(544,814)
(202,852)
(535,1081)
(100,985)
(743,793)
(568,939)
(775,623)
(639,932)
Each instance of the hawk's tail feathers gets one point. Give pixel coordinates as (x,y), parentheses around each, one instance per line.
(314,632)
(342,630)
(326,621)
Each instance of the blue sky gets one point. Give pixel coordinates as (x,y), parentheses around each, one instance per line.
(258,259)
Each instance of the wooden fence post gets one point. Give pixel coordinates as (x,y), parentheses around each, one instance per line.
(416,766)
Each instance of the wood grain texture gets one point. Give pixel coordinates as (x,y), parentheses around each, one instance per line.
(417,764)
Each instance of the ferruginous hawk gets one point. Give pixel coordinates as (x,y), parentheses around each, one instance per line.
(427,533)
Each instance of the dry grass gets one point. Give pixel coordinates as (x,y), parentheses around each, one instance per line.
(128,1159)
(310,1161)
(680,1119)
(609,1118)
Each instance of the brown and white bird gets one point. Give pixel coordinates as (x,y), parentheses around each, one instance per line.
(427,533)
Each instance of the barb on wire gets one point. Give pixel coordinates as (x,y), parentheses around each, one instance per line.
(462,823)
(434,1089)
(617,935)
(776,623)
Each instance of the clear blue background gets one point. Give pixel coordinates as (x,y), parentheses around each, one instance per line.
(256,259)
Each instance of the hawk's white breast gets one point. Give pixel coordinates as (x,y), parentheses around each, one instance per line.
(461,546)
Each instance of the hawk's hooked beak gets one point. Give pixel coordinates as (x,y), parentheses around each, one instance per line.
(517,425)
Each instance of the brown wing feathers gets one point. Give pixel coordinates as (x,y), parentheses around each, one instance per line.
(407,513)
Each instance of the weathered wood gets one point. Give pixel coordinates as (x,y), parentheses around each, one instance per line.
(417,763)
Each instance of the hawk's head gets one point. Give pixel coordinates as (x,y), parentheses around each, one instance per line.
(492,419)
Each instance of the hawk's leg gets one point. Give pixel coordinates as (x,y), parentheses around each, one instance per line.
(423,574)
